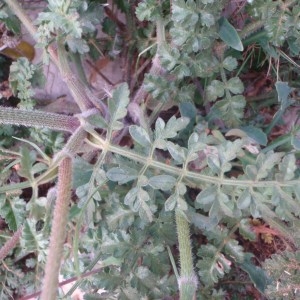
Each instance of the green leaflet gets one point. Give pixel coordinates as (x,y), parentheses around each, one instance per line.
(244,200)
(230,109)
(256,134)
(171,202)
(246,230)
(230,63)
(34,241)
(97,121)
(213,265)
(147,10)
(137,199)
(178,153)
(257,274)
(235,85)
(159,87)
(117,106)
(215,90)
(229,35)
(162,182)
(82,172)
(27,160)
(122,174)
(21,76)
(12,210)
(169,56)
(140,135)
(287,168)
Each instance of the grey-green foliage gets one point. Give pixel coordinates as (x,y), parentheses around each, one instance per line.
(123,207)
(73,19)
(140,212)
(21,74)
(122,239)
(224,205)
(194,31)
(280,21)
(12,211)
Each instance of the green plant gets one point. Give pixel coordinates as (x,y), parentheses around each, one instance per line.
(203,177)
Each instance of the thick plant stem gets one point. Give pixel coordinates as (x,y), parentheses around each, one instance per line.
(76,87)
(34,118)
(187,281)
(58,231)
(11,243)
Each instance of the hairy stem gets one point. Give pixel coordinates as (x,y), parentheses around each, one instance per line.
(187,280)
(34,118)
(11,243)
(76,87)
(58,232)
